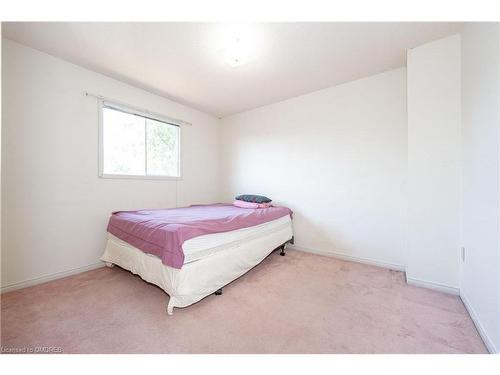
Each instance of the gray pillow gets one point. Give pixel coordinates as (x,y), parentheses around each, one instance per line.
(253,198)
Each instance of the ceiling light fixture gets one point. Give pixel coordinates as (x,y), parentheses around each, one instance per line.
(238,44)
(236,53)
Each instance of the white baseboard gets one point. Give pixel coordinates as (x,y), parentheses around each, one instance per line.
(45,278)
(432,285)
(372,262)
(482,332)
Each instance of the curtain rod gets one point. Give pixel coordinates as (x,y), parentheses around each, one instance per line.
(159,115)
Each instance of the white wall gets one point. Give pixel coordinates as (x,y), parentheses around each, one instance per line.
(55,208)
(337,158)
(434,164)
(480,273)
(0,151)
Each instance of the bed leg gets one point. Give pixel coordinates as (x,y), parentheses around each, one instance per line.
(218,292)
(282,252)
(109,264)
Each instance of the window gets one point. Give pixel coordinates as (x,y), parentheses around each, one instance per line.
(138,145)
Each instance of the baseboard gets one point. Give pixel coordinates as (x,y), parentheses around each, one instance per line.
(480,329)
(371,262)
(432,285)
(45,278)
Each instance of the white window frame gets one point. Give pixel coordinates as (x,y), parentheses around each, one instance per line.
(102,103)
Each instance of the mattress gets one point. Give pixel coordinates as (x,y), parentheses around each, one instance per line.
(206,245)
(162,232)
(203,246)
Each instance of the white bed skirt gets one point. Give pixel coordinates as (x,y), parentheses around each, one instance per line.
(200,278)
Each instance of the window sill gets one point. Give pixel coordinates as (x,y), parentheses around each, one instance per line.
(135,177)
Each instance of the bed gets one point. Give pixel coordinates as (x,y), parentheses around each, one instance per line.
(192,252)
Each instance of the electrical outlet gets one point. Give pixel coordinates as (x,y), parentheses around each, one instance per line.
(463,253)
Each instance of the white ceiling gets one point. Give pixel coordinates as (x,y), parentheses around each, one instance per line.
(185,61)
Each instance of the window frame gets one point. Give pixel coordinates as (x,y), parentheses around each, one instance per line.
(143,113)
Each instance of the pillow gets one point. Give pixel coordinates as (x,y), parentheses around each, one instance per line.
(244,204)
(253,198)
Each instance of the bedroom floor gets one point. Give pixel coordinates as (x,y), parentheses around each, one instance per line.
(300,303)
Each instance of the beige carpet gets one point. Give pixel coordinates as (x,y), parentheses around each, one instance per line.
(300,303)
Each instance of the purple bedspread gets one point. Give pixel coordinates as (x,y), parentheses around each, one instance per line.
(163,231)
